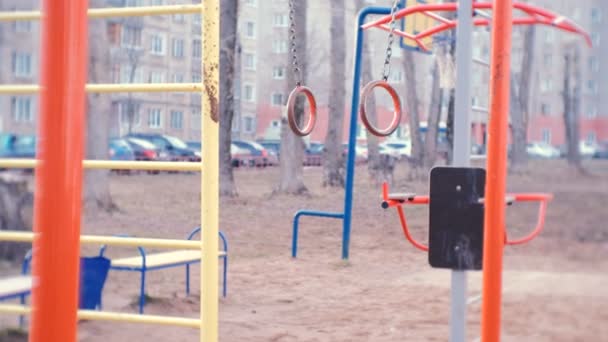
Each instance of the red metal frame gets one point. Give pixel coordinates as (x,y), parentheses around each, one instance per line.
(534,16)
(542,198)
(57,201)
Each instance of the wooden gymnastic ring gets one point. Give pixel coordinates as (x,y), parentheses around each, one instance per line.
(291,113)
(367,90)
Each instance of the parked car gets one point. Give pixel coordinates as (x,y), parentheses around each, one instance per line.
(602,151)
(120,149)
(145,150)
(240,156)
(587,149)
(175,148)
(403,148)
(195,146)
(258,157)
(361,153)
(314,154)
(542,150)
(18,146)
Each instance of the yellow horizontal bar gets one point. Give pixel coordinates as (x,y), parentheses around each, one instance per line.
(110,165)
(17,236)
(113,316)
(17,89)
(111,12)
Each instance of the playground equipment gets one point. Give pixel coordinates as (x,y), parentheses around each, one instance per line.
(467,214)
(299,89)
(56,240)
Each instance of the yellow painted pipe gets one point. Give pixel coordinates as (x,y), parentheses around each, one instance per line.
(19,89)
(113,316)
(110,165)
(18,236)
(111,12)
(210,178)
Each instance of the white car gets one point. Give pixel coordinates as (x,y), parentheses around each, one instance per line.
(402,148)
(542,150)
(587,149)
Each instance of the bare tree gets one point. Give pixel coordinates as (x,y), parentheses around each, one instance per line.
(452,93)
(228,54)
(97,188)
(334,162)
(430,153)
(412,107)
(16,213)
(571,96)
(292,147)
(520,101)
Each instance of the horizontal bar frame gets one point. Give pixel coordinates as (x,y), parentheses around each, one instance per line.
(18,89)
(111,12)
(110,165)
(114,317)
(19,236)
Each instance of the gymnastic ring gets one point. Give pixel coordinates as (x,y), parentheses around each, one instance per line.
(367,90)
(291,113)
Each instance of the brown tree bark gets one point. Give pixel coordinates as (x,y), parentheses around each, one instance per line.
(571,98)
(228,54)
(412,106)
(333,175)
(16,213)
(430,155)
(291,179)
(96,192)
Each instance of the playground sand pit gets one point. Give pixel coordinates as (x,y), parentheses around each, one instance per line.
(554,287)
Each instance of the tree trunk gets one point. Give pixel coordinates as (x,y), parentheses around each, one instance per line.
(229,23)
(16,213)
(520,102)
(571,122)
(292,146)
(334,161)
(433,120)
(412,106)
(97,188)
(452,100)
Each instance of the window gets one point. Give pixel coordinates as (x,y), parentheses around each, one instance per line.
(123,112)
(155,118)
(177,118)
(178,48)
(278,73)
(133,3)
(592,86)
(157,77)
(196,19)
(546,85)
(279,46)
(280,20)
(549,36)
(157,2)
(131,74)
(277,99)
(548,60)
(22,26)
(250,61)
(249,93)
(249,124)
(22,64)
(396,76)
(157,44)
(545,109)
(596,15)
(196,77)
(196,48)
(591,137)
(594,65)
(275,123)
(235,125)
(179,18)
(130,37)
(250,29)
(591,112)
(546,132)
(595,39)
(22,109)
(178,78)
(251,2)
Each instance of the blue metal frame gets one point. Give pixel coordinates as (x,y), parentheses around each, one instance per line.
(346,216)
(143,269)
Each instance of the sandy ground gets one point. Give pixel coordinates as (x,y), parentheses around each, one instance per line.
(555,288)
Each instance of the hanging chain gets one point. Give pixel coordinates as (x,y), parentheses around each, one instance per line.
(292,37)
(391,38)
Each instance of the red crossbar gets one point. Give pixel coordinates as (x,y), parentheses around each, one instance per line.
(536,16)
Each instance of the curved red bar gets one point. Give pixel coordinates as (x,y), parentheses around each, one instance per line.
(540,223)
(393,203)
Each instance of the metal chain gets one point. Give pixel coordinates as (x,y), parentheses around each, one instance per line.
(391,38)
(292,37)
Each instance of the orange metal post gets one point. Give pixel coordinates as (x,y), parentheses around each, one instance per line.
(494,225)
(59,175)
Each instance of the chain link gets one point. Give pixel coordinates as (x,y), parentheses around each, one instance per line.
(292,37)
(386,72)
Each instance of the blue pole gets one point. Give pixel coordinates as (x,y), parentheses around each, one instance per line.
(354,111)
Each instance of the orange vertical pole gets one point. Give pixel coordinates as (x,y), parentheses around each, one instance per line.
(59,176)
(494,222)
